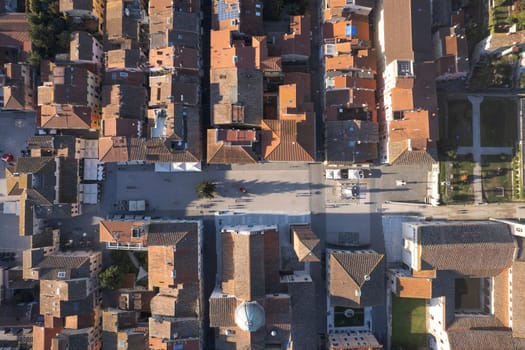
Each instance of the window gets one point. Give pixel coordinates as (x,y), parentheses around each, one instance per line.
(404,68)
(399,115)
(61,274)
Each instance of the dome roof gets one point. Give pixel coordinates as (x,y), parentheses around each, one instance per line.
(249,316)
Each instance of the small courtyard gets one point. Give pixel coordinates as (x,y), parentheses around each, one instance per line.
(409,329)
(456,179)
(498,122)
(459,126)
(479,157)
(496,172)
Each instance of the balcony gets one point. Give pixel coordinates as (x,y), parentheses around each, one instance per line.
(126,246)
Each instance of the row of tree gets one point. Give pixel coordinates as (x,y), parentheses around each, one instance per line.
(49,30)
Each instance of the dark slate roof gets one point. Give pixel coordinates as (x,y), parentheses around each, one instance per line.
(468,248)
(169,233)
(53,274)
(68,184)
(165,238)
(40,141)
(31,165)
(63,261)
(44,239)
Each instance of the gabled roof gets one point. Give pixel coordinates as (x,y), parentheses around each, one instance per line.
(287,140)
(155,150)
(481,339)
(117,230)
(165,238)
(81,46)
(233,88)
(484,333)
(63,261)
(31,165)
(122,19)
(15,31)
(123,101)
(227,152)
(121,127)
(356,278)
(222,309)
(305,243)
(415,158)
(350,141)
(113,149)
(123,58)
(518,294)
(65,117)
(470,248)
(15,97)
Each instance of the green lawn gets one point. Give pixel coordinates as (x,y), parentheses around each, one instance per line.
(496,173)
(408,323)
(456,178)
(459,129)
(498,122)
(493,73)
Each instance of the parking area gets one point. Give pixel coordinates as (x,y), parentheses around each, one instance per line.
(402,183)
(15,128)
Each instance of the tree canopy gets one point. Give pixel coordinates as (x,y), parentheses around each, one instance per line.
(111,278)
(205,189)
(49,30)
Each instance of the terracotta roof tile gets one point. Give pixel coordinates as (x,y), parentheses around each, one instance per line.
(484,333)
(120,231)
(518,297)
(306,243)
(65,117)
(473,249)
(113,149)
(356,278)
(287,140)
(121,127)
(222,309)
(229,152)
(123,58)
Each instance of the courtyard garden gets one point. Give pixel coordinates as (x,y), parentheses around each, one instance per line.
(459,122)
(493,72)
(456,179)
(408,324)
(496,173)
(498,122)
(348,317)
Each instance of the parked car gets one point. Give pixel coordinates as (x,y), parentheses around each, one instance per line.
(8,158)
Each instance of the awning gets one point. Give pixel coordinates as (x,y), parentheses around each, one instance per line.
(90,169)
(90,193)
(333,174)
